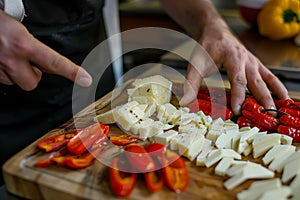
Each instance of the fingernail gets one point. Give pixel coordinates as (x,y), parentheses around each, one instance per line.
(84,79)
(237,109)
(186,99)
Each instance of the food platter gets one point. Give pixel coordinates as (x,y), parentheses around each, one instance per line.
(24,179)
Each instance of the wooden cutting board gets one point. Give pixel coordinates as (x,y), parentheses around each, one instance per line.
(54,182)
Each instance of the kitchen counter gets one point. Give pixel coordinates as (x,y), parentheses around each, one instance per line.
(282,57)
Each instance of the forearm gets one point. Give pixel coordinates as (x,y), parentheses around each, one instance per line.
(194,15)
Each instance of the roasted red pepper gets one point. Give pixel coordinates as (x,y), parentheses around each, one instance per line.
(252,105)
(176,175)
(289,120)
(122,140)
(290,131)
(139,158)
(215,110)
(244,122)
(49,160)
(264,120)
(87,137)
(155,180)
(283,103)
(55,142)
(290,111)
(122,183)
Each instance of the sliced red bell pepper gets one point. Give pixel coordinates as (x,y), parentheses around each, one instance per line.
(55,142)
(290,131)
(139,158)
(85,160)
(176,175)
(155,180)
(122,183)
(251,105)
(264,120)
(49,160)
(215,110)
(86,138)
(122,140)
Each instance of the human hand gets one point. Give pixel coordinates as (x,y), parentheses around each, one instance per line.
(244,70)
(23,58)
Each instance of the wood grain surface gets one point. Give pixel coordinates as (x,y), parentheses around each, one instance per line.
(54,182)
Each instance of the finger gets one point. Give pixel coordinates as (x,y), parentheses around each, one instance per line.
(51,62)
(236,75)
(4,78)
(191,85)
(24,75)
(258,87)
(274,84)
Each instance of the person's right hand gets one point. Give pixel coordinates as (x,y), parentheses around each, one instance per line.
(23,58)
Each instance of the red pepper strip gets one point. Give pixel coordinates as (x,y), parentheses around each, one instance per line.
(55,142)
(86,138)
(252,105)
(262,119)
(215,95)
(122,140)
(49,160)
(293,112)
(290,131)
(283,103)
(245,122)
(176,175)
(155,180)
(139,158)
(290,121)
(122,183)
(219,110)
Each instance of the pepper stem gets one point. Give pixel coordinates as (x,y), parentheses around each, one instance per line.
(289,16)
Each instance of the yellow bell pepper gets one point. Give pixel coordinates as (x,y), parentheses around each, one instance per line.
(279,19)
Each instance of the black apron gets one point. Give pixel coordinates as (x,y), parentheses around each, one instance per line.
(72,28)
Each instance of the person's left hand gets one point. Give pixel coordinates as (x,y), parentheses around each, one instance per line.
(244,70)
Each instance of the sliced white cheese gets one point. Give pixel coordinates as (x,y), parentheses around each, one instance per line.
(290,170)
(206,149)
(225,139)
(248,150)
(165,137)
(258,188)
(216,155)
(246,138)
(213,134)
(192,128)
(174,141)
(185,143)
(275,151)
(281,193)
(279,161)
(285,139)
(287,159)
(248,172)
(237,167)
(295,185)
(223,165)
(262,143)
(195,148)
(206,119)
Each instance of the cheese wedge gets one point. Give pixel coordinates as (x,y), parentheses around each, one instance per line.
(206,149)
(216,155)
(280,193)
(276,151)
(258,188)
(248,172)
(195,148)
(165,137)
(262,143)
(290,170)
(185,143)
(295,185)
(280,161)
(223,166)
(174,141)
(224,141)
(246,137)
